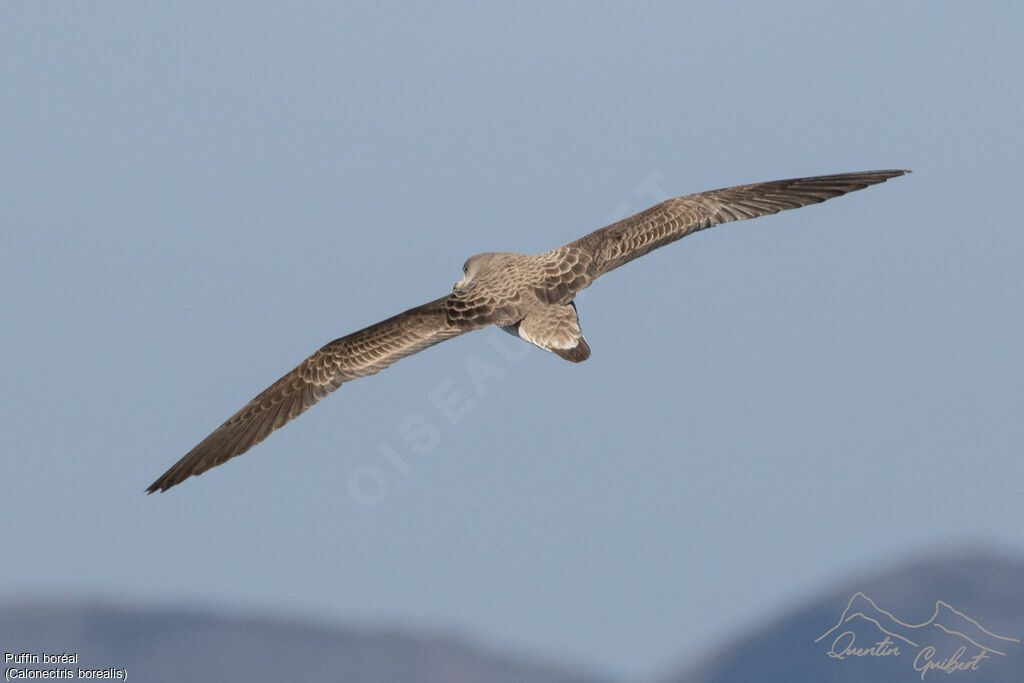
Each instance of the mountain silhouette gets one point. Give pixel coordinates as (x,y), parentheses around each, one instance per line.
(157,645)
(945,618)
(968,598)
(861,606)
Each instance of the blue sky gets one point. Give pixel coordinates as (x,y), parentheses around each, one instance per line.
(195,197)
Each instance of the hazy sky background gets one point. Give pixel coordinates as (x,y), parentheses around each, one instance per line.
(194,196)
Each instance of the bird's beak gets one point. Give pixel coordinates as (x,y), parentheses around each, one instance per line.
(461,283)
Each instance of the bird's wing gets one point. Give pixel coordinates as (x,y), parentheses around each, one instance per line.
(359,354)
(630,238)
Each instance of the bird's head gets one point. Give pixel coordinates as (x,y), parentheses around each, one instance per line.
(473,266)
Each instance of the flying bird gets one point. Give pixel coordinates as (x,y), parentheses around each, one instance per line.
(528,296)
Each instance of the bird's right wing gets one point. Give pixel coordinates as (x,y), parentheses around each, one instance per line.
(620,243)
(359,354)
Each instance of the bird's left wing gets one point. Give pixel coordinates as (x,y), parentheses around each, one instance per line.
(617,244)
(362,353)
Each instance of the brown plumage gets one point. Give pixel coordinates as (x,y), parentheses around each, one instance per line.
(529,296)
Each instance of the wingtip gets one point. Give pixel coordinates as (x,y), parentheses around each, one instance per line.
(886,173)
(162,484)
(880,176)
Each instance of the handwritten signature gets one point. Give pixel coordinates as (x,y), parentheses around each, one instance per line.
(899,637)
